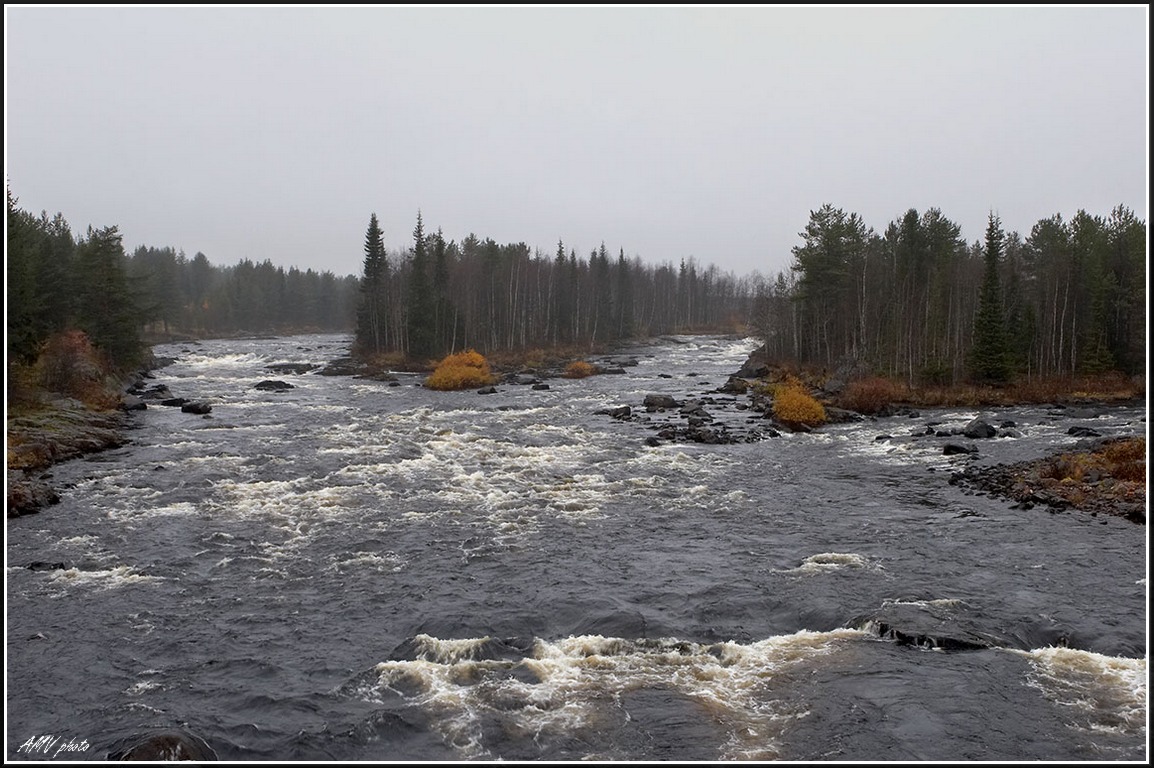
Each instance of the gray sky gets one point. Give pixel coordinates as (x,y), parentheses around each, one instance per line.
(667,132)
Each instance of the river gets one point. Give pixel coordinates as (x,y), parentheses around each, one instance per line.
(355,571)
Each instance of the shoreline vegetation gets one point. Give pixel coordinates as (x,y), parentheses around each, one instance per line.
(927,319)
(89,412)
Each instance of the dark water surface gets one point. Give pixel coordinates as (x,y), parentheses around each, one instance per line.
(352,571)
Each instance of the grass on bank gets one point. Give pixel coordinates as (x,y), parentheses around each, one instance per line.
(869,395)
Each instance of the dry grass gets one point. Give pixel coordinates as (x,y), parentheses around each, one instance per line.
(872,395)
(1123,460)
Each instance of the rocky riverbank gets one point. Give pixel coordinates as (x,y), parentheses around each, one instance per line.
(1103,476)
(60,430)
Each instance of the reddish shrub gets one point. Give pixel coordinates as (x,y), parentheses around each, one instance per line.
(70,365)
(870,395)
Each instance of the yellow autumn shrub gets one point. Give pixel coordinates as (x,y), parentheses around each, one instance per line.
(579,369)
(793,405)
(462,370)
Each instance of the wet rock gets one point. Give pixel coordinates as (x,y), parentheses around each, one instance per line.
(132,403)
(1083,432)
(158,392)
(270,385)
(920,623)
(735,385)
(660,402)
(755,366)
(344,366)
(297,368)
(168,745)
(621,412)
(160,362)
(956,449)
(540,387)
(693,409)
(174,402)
(28,495)
(199,407)
(979,429)
(487,391)
(841,415)
(40,565)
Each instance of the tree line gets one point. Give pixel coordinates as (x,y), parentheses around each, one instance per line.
(58,281)
(916,301)
(919,303)
(435,297)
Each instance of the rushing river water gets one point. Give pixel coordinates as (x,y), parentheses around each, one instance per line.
(349,570)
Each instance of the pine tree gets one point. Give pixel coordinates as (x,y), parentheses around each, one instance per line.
(989,355)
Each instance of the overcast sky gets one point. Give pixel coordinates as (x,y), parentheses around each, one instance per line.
(274,133)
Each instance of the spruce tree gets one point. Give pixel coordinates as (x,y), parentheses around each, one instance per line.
(421,317)
(107,310)
(372,313)
(990,355)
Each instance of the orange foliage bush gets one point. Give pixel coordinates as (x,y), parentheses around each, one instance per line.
(579,369)
(462,370)
(793,405)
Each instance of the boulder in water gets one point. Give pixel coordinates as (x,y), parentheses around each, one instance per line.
(269,385)
(660,402)
(978,429)
(166,745)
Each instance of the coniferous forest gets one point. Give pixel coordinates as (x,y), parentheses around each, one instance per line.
(916,302)
(920,304)
(58,281)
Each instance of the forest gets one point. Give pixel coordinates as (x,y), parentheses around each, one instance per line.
(58,281)
(915,302)
(920,304)
(438,297)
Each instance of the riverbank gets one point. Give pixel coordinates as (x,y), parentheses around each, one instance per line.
(46,428)
(1105,476)
(57,430)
